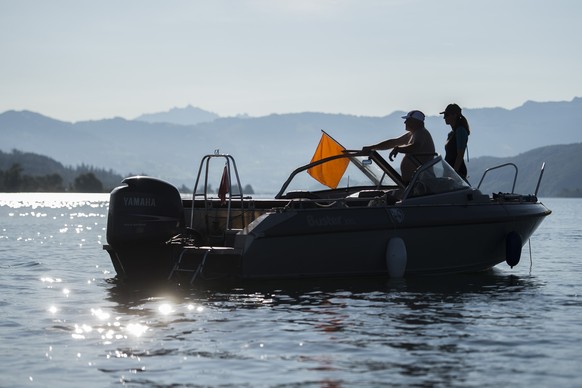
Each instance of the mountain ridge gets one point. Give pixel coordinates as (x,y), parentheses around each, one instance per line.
(188,115)
(267,148)
(556,182)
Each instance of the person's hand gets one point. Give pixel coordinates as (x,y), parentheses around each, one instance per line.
(393,153)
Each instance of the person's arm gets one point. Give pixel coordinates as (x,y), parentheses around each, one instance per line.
(462,138)
(390,143)
(459,159)
(412,146)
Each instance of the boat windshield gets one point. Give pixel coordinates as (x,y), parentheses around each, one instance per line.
(435,177)
(361,172)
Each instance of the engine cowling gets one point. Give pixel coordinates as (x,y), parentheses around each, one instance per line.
(144,210)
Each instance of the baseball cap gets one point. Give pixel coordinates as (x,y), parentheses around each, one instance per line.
(452,108)
(414,114)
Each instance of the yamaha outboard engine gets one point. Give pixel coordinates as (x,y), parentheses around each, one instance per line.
(145,210)
(143,215)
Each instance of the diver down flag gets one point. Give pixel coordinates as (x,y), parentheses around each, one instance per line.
(223,189)
(328,173)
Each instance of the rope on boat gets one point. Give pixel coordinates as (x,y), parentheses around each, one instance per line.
(530,258)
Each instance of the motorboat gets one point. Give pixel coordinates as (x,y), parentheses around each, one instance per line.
(370,224)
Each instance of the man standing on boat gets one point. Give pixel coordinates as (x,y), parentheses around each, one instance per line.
(416,145)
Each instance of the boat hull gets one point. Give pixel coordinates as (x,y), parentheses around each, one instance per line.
(345,242)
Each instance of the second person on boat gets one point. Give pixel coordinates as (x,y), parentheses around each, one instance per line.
(457,139)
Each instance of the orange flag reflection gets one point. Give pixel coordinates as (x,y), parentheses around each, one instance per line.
(328,173)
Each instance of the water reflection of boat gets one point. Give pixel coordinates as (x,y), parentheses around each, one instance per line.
(415,292)
(374,225)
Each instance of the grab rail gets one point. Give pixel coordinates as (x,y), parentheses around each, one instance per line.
(495,168)
(230,165)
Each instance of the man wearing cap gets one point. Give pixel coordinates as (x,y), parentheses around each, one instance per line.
(416,143)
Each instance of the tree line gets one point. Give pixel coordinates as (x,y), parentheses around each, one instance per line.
(29,172)
(14,180)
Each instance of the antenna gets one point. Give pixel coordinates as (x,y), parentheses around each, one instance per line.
(540,178)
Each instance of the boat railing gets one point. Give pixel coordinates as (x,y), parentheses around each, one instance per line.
(502,166)
(230,194)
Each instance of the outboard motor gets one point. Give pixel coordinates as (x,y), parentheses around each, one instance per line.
(145,211)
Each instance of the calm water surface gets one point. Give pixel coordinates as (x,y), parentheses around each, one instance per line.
(66,322)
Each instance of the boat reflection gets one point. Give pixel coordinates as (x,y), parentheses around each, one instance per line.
(412,291)
(417,327)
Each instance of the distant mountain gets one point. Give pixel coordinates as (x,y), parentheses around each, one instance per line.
(268,148)
(188,115)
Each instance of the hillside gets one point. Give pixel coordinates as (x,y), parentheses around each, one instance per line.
(561,176)
(268,148)
(39,166)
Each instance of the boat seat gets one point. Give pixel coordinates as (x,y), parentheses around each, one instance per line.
(300,194)
(389,198)
(433,186)
(302,203)
(368,194)
(373,198)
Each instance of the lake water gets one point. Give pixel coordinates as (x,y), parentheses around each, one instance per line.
(65,322)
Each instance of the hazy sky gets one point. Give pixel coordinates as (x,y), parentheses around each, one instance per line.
(78,60)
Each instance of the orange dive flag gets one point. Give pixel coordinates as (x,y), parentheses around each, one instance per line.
(328,173)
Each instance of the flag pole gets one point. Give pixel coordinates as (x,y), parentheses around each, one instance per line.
(337,142)
(357,162)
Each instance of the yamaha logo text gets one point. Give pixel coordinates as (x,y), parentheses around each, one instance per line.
(139,201)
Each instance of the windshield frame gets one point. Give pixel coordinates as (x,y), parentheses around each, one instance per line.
(375,180)
(454,180)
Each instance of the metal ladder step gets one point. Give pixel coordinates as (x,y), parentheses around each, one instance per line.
(207,250)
